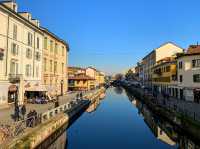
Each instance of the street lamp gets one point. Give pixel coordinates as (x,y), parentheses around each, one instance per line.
(61,85)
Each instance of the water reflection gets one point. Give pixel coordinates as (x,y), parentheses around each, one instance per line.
(162,129)
(118,90)
(117,124)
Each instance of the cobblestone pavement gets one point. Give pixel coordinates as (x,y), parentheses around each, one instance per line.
(6,113)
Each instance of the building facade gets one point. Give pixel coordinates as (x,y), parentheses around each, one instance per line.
(21,41)
(189,74)
(55,61)
(166,50)
(78,80)
(164,78)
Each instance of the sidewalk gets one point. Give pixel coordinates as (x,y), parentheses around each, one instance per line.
(185,107)
(5,114)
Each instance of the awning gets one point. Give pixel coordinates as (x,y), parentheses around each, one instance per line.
(40,88)
(1,50)
(12,88)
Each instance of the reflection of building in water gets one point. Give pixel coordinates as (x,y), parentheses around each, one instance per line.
(161,135)
(60,143)
(157,130)
(93,106)
(163,129)
(102,96)
(186,143)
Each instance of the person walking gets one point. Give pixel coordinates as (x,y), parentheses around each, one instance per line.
(77,96)
(23,111)
(81,95)
(16,113)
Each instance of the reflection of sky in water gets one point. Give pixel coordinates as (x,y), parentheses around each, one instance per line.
(114,124)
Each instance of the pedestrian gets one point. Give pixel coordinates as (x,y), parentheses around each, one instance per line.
(34,117)
(16,113)
(28,121)
(77,96)
(23,111)
(81,95)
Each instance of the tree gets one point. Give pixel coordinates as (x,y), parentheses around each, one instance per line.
(130,75)
(118,76)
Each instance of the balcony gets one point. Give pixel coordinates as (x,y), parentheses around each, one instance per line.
(14,78)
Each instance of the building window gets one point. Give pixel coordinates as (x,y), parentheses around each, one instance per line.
(63,51)
(55,67)
(180,65)
(45,42)
(180,78)
(28,53)
(37,71)
(196,78)
(45,81)
(56,48)
(51,65)
(196,63)
(13,67)
(14,49)
(168,68)
(28,70)
(62,68)
(37,56)
(38,43)
(51,46)
(15,32)
(45,64)
(30,39)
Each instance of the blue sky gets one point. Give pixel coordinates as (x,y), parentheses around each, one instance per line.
(112,35)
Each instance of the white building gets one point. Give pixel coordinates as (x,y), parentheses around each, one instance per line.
(188,73)
(21,43)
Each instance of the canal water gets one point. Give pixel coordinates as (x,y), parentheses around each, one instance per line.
(119,121)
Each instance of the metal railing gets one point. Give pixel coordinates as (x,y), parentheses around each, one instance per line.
(16,128)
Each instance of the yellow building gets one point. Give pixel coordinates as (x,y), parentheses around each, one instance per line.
(164,75)
(55,60)
(80,82)
(101,78)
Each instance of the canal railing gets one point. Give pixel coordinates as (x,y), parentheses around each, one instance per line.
(9,132)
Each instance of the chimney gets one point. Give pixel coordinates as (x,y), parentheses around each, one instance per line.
(26,15)
(11,4)
(36,22)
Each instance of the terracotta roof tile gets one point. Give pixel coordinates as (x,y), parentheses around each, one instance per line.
(193,49)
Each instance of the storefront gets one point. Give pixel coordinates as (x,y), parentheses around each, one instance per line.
(12,93)
(197,95)
(33,92)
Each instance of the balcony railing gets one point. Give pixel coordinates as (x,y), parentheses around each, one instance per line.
(13,78)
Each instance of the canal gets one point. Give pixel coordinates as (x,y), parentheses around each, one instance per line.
(122,122)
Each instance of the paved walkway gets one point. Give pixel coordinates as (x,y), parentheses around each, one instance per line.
(6,114)
(190,109)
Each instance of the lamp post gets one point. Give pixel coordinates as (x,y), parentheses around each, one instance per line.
(61,85)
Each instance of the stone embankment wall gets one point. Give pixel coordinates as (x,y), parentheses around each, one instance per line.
(32,138)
